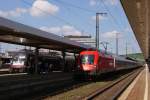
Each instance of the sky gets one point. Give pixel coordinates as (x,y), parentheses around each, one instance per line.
(73,17)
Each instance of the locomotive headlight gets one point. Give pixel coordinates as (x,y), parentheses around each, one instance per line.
(94,66)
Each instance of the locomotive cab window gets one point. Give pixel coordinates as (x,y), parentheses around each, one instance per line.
(87,59)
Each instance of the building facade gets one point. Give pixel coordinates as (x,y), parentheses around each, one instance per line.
(87,40)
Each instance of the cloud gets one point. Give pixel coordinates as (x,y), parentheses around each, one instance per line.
(43,7)
(93,2)
(39,8)
(100,18)
(14,13)
(113,2)
(65,30)
(108,2)
(51,29)
(111,34)
(69,30)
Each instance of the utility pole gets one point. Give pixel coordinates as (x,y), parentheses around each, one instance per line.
(117,43)
(97,28)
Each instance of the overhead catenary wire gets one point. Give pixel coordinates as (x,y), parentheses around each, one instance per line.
(76,6)
(54,16)
(91,11)
(114,19)
(84,9)
(68,6)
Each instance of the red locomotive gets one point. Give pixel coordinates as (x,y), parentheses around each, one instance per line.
(94,62)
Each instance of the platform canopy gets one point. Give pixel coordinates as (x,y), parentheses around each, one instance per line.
(138,13)
(16,33)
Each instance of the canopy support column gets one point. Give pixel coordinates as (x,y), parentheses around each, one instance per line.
(64,60)
(36,59)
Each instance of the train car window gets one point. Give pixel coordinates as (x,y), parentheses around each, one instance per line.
(87,59)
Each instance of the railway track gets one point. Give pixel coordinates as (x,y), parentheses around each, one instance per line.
(64,89)
(38,87)
(26,86)
(84,91)
(10,79)
(113,90)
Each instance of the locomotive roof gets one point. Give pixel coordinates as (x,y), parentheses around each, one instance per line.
(120,58)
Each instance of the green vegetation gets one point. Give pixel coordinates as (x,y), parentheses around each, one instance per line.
(78,93)
(137,56)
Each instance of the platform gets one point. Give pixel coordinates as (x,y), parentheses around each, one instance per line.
(139,88)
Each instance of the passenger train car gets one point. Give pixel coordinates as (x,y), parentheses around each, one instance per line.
(94,62)
(18,64)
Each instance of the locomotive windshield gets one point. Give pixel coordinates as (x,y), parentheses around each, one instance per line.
(87,59)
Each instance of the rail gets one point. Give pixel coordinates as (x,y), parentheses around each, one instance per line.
(98,92)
